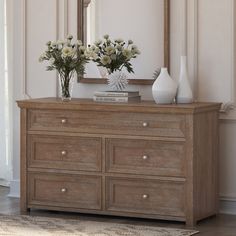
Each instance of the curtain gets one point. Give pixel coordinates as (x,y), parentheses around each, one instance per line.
(5,119)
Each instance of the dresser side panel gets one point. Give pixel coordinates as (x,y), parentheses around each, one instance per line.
(206,164)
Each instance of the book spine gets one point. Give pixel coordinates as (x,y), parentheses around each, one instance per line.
(110,99)
(110,94)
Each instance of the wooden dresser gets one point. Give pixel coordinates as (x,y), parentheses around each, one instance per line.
(136,159)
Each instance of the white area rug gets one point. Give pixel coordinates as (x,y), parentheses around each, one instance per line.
(44,226)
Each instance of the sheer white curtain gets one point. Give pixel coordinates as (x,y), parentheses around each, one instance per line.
(5,119)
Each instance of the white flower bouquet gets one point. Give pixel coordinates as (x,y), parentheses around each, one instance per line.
(113,55)
(67,58)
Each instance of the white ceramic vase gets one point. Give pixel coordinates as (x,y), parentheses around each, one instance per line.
(184,92)
(164,88)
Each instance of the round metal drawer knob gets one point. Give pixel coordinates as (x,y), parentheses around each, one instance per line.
(63,121)
(63,153)
(145,196)
(63,190)
(145,124)
(145,157)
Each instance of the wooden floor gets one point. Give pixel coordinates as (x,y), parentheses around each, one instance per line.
(222,225)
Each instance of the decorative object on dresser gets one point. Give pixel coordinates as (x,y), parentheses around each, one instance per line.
(137,160)
(184,91)
(117,96)
(164,88)
(114,56)
(66,58)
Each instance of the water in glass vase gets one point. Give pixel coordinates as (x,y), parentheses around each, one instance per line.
(66,84)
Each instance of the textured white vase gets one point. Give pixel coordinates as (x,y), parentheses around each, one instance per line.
(184,92)
(117,81)
(164,88)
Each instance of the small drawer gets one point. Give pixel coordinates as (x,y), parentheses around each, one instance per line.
(81,191)
(152,197)
(67,153)
(163,125)
(147,157)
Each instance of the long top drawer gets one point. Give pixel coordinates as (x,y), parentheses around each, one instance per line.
(164,125)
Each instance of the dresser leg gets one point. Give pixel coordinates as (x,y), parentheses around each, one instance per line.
(191,223)
(24,210)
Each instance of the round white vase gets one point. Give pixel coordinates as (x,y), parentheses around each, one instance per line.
(164,88)
(184,92)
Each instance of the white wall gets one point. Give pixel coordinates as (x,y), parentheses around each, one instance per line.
(202,29)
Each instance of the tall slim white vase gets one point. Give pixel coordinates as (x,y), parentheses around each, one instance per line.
(164,88)
(184,92)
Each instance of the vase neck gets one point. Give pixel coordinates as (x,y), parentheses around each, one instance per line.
(183,68)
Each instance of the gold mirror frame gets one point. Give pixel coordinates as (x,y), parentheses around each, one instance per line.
(82,3)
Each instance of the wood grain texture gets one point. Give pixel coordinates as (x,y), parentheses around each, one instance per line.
(64,152)
(145,157)
(112,158)
(107,122)
(23,162)
(65,190)
(79,104)
(148,197)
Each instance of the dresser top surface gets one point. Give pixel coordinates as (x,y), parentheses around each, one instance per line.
(143,106)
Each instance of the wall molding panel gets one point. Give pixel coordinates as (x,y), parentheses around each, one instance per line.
(24,51)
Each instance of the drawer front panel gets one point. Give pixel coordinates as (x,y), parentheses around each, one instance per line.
(68,153)
(145,157)
(145,196)
(107,122)
(65,191)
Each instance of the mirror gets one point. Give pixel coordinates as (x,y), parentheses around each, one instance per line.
(146,22)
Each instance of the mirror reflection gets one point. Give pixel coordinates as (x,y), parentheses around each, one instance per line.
(141,21)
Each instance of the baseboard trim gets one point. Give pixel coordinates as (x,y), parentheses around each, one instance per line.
(228,206)
(14,189)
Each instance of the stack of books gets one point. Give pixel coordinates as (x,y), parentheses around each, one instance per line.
(117,96)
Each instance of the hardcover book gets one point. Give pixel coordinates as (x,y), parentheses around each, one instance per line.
(116,93)
(117,99)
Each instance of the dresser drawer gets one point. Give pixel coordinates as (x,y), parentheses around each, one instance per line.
(145,157)
(107,122)
(145,196)
(65,191)
(67,153)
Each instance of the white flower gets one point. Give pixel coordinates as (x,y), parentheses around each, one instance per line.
(106,60)
(106,36)
(119,40)
(79,43)
(127,53)
(134,47)
(60,42)
(42,57)
(67,52)
(82,48)
(48,43)
(94,56)
(52,61)
(98,42)
(130,41)
(110,50)
(91,54)
(136,51)
(53,44)
(69,37)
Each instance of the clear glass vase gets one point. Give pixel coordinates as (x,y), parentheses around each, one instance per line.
(66,83)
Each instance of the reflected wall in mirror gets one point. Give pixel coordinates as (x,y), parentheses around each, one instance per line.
(146,22)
